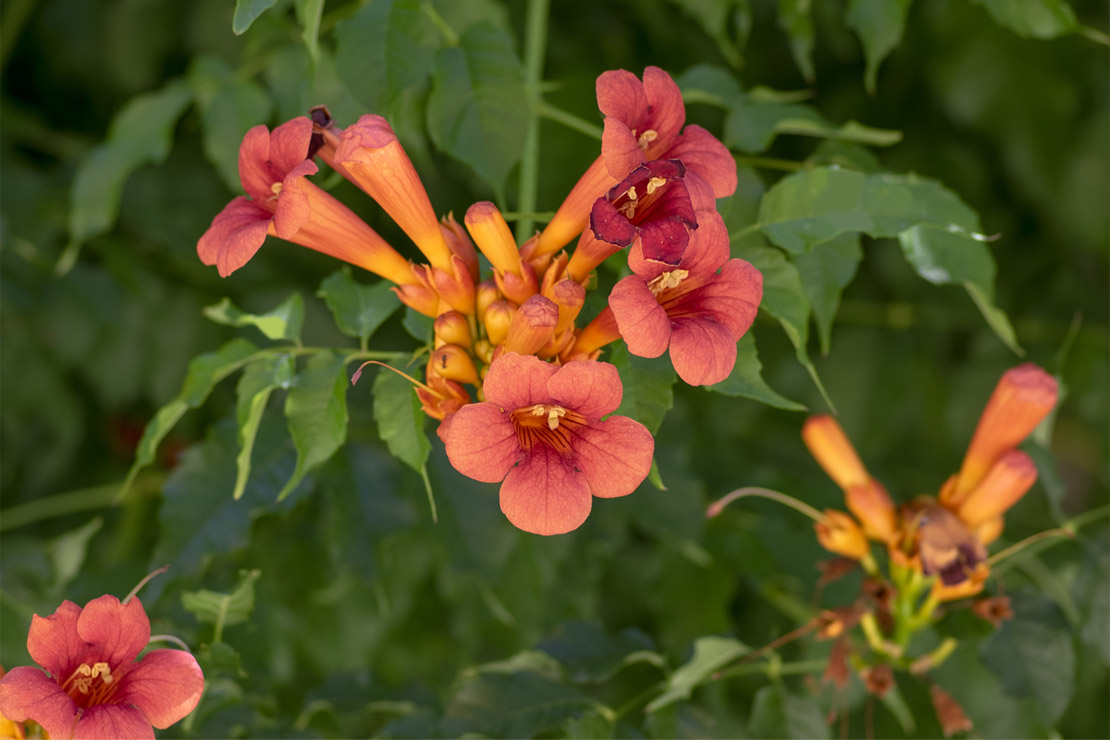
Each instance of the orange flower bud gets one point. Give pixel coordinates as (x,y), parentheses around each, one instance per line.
(483,350)
(498,318)
(990,530)
(517,288)
(455,286)
(532,326)
(574,213)
(459,244)
(492,235)
(1021,400)
(569,296)
(453,363)
(588,254)
(871,504)
(485,293)
(833,451)
(442,397)
(419,294)
(1007,481)
(453,328)
(837,532)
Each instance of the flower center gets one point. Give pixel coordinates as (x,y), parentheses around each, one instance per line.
(89,686)
(276,190)
(647,137)
(547,424)
(668,279)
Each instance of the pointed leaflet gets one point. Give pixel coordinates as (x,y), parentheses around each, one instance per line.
(824,271)
(710,654)
(283,322)
(753,124)
(476,112)
(204,372)
(246,12)
(879,25)
(257,382)
(400,418)
(316,410)
(230,608)
(747,381)
(796,20)
(1037,19)
(358,309)
(308,15)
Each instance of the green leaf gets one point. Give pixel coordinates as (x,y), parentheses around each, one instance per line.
(246,12)
(219,657)
(795,18)
(385,48)
(706,83)
(777,713)
(308,15)
(258,381)
(400,418)
(477,111)
(227,609)
(1033,655)
(1032,19)
(141,133)
(68,551)
(591,655)
(418,325)
(282,323)
(204,372)
(1091,592)
(879,25)
(648,386)
(710,654)
(316,411)
(358,309)
(746,379)
(713,16)
(824,272)
(753,124)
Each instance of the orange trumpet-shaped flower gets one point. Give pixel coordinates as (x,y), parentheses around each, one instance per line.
(532,326)
(372,156)
(492,235)
(837,532)
(574,213)
(1007,481)
(1022,399)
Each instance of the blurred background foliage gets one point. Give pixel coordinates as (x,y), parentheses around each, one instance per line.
(358,615)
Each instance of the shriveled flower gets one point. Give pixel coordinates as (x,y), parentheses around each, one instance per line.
(540,431)
(697,309)
(94,687)
(950,714)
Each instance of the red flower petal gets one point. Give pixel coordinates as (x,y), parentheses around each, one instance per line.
(293,210)
(642,321)
(664,241)
(544,494)
(112,722)
(236,233)
(28,693)
(593,389)
(481,442)
(665,107)
(620,95)
(166,685)
(254,154)
(615,455)
(118,631)
(733,296)
(704,155)
(53,641)
(610,225)
(515,381)
(620,148)
(289,146)
(703,351)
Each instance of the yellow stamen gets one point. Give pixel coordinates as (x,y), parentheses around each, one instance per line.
(647,137)
(654,184)
(276,190)
(628,209)
(631,193)
(669,279)
(552,413)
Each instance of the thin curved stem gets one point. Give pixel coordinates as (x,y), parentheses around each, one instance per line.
(717,506)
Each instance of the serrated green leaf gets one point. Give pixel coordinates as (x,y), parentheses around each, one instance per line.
(358,309)
(824,272)
(281,323)
(400,418)
(477,111)
(777,713)
(879,25)
(258,381)
(796,20)
(247,12)
(746,379)
(223,608)
(648,386)
(316,411)
(141,133)
(385,48)
(710,654)
(204,372)
(1032,19)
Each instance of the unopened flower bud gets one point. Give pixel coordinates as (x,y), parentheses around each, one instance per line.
(453,363)
(419,295)
(492,235)
(833,451)
(459,244)
(871,504)
(483,350)
(532,326)
(517,288)
(837,532)
(485,293)
(455,285)
(498,318)
(452,328)
(1007,481)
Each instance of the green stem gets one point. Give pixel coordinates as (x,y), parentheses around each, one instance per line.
(451,36)
(85,499)
(716,507)
(569,120)
(1068,529)
(777,667)
(535,46)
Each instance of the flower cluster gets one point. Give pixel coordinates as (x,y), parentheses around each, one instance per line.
(514,379)
(94,687)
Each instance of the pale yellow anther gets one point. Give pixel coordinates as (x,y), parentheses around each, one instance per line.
(632,193)
(84,669)
(654,184)
(551,412)
(669,279)
(104,671)
(647,137)
(276,190)
(628,210)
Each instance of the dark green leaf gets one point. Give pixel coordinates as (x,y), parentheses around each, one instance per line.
(223,608)
(461,16)
(1035,19)
(648,386)
(259,379)
(776,713)
(594,724)
(204,372)
(68,551)
(478,110)
(879,25)
(247,11)
(705,83)
(746,379)
(385,48)
(400,418)
(713,17)
(358,309)
(593,656)
(795,18)
(824,272)
(418,325)
(753,123)
(283,322)
(219,657)
(316,410)
(710,654)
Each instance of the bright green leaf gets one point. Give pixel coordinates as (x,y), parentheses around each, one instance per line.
(477,111)
(400,418)
(247,11)
(648,386)
(258,381)
(710,654)
(824,271)
(223,608)
(316,410)
(358,309)
(746,379)
(776,713)
(879,25)
(1033,19)
(281,323)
